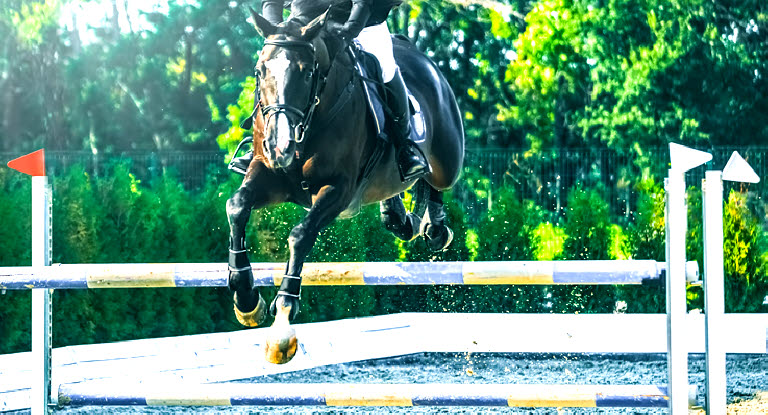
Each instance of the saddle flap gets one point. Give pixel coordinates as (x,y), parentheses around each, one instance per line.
(370,70)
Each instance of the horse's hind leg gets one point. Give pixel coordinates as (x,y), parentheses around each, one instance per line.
(436,234)
(395,219)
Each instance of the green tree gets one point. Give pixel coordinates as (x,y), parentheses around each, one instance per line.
(588,229)
(746,257)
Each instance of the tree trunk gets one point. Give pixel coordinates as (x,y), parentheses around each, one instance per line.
(114,20)
(93,142)
(74,36)
(10,130)
(186,80)
(128,17)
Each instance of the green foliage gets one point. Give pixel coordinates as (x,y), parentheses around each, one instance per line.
(646,239)
(549,241)
(618,244)
(646,233)
(746,259)
(507,230)
(15,219)
(236,114)
(588,235)
(587,224)
(15,242)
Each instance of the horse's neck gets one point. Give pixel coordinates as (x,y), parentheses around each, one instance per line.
(339,76)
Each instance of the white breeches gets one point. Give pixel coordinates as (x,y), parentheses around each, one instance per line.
(376,40)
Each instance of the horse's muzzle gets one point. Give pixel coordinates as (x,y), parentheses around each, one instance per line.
(282,158)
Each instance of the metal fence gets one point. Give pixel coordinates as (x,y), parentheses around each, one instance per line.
(191,168)
(545,177)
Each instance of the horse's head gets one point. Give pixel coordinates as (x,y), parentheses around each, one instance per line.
(290,74)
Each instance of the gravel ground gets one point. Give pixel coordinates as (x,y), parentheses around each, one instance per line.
(747,376)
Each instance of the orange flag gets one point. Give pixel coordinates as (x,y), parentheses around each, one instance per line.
(32,164)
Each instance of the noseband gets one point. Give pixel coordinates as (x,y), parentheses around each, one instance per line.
(318,82)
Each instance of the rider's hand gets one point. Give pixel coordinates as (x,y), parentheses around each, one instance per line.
(340,30)
(347,31)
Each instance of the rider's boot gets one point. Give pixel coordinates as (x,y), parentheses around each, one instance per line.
(410,160)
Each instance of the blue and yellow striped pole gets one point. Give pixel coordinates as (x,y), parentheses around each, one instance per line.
(308,394)
(82,276)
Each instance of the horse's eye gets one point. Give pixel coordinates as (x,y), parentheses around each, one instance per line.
(309,75)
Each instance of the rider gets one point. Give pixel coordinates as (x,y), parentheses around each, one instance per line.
(367,24)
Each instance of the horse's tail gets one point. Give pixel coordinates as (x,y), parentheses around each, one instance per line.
(420,192)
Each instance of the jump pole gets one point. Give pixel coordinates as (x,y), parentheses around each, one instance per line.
(329,394)
(33,164)
(737,170)
(92,276)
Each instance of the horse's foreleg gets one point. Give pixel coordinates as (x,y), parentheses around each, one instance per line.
(328,204)
(250,308)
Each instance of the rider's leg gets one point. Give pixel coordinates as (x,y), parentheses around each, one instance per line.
(377,41)
(410,159)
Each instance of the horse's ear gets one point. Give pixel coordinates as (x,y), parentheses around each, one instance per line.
(262,25)
(312,28)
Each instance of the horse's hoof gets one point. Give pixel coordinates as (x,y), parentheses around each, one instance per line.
(255,317)
(281,345)
(437,239)
(281,337)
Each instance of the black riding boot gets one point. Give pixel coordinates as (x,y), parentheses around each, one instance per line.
(410,160)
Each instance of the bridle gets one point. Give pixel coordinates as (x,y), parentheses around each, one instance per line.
(318,83)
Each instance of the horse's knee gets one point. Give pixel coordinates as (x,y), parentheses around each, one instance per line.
(236,206)
(301,238)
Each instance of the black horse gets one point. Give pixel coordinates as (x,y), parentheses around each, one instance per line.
(313,146)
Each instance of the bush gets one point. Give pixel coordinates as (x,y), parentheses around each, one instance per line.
(646,240)
(746,258)
(588,234)
(15,243)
